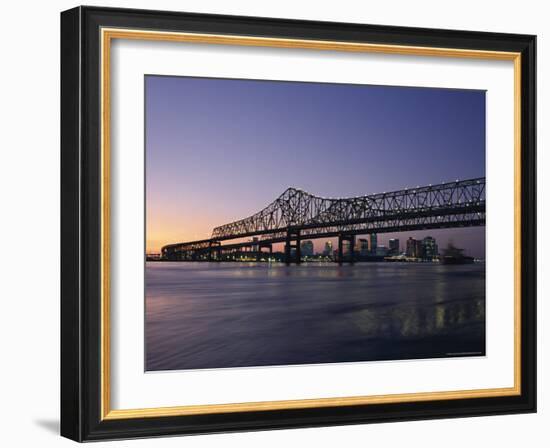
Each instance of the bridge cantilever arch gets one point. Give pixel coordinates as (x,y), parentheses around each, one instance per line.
(296,215)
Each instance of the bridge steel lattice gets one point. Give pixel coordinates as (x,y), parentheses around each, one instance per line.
(297,214)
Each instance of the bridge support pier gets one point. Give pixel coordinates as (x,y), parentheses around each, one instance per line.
(214,247)
(351,251)
(292,235)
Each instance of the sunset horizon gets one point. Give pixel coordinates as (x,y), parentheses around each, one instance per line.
(333,140)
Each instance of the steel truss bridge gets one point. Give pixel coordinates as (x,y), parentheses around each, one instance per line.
(297,215)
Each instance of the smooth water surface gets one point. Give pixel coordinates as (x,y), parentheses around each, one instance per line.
(213,315)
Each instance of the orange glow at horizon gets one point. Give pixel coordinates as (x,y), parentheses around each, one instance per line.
(160,233)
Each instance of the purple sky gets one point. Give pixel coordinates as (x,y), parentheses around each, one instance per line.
(218,150)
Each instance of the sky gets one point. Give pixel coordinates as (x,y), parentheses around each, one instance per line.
(218,150)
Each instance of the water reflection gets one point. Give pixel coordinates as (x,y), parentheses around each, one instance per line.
(212,315)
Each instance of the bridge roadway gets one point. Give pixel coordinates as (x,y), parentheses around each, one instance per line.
(297,215)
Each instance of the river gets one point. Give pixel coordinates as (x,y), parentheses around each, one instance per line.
(214,315)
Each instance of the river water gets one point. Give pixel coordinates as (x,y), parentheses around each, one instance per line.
(213,315)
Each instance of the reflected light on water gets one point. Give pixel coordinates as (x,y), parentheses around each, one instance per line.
(214,315)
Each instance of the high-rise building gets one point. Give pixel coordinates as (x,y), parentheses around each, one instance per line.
(306,248)
(255,244)
(409,251)
(373,243)
(393,246)
(414,248)
(429,248)
(328,249)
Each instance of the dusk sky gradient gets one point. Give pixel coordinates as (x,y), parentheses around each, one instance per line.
(218,150)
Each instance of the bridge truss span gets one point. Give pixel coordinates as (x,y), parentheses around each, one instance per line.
(298,209)
(296,214)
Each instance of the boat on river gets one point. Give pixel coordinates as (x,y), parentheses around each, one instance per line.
(454,255)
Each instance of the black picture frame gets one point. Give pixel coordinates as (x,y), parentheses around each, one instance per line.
(81,224)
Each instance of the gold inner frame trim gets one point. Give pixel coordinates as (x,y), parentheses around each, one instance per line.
(107,35)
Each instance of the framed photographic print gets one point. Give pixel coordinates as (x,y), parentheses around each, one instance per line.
(274,223)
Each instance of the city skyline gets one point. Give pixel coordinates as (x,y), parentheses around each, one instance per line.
(384,240)
(397,245)
(259,137)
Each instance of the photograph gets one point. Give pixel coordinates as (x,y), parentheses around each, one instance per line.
(280,221)
(299,223)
